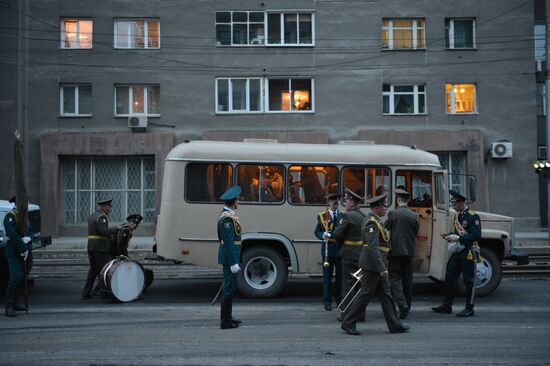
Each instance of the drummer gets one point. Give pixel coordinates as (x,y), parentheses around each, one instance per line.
(124,235)
(99,251)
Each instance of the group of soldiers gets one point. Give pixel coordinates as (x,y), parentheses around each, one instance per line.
(362,247)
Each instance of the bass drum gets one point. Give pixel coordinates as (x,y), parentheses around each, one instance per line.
(122,278)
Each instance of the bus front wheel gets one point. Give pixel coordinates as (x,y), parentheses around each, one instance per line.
(264,273)
(488,274)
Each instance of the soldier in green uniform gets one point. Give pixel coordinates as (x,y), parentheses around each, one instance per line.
(463,243)
(16,252)
(99,248)
(124,235)
(348,238)
(327,221)
(229,253)
(374,266)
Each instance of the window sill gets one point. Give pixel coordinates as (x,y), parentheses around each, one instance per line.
(405,114)
(137,49)
(403,49)
(76,115)
(461,49)
(75,48)
(460,113)
(136,115)
(232,113)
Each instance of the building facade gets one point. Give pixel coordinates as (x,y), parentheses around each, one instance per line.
(107,90)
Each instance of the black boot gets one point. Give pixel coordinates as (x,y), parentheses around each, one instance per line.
(225,314)
(469,308)
(443,309)
(15,306)
(10,311)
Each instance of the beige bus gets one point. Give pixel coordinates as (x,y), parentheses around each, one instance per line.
(284,188)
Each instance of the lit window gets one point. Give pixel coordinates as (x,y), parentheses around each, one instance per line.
(461,98)
(76,33)
(137,100)
(367,182)
(137,33)
(290,29)
(403,99)
(75,100)
(238,95)
(460,33)
(403,34)
(240,28)
(290,95)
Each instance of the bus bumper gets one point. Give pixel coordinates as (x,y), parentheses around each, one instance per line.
(517,255)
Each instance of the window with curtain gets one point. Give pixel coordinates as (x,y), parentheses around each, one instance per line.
(460,33)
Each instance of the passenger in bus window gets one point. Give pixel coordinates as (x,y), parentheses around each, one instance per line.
(229,253)
(313,190)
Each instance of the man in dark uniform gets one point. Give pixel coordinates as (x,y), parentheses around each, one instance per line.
(348,238)
(124,235)
(403,226)
(16,252)
(463,243)
(327,221)
(374,276)
(99,248)
(229,253)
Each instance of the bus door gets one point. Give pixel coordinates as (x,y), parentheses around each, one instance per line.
(419,184)
(439,252)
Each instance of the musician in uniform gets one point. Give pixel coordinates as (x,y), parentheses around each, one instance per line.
(463,242)
(403,226)
(327,221)
(348,239)
(374,277)
(16,252)
(99,248)
(229,253)
(125,234)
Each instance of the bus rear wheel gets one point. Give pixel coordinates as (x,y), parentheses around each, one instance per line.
(264,273)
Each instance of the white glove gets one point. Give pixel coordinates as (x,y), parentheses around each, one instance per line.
(454,237)
(24,254)
(235,268)
(26,239)
(326,236)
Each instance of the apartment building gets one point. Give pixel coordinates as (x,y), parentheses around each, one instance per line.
(107,89)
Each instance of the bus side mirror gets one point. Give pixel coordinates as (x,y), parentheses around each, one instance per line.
(473,188)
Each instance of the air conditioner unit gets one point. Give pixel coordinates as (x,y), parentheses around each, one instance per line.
(137,121)
(501,150)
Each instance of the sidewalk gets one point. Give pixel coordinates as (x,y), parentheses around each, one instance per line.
(81,242)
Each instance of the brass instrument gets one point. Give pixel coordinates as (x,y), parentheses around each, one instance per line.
(325,262)
(358,275)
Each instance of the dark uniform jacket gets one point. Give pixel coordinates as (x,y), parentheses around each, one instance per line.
(376,245)
(348,233)
(99,232)
(470,231)
(229,234)
(403,224)
(324,222)
(15,244)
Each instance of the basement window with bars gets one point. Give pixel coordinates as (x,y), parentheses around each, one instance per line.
(130,182)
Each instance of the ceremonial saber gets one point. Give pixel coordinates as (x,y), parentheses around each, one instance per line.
(217,294)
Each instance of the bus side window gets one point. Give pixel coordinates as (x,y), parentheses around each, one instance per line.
(206,182)
(261,183)
(310,184)
(367,182)
(419,184)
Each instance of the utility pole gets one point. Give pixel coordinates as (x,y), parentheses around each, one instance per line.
(547,111)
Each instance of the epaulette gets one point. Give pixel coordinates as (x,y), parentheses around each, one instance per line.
(471,212)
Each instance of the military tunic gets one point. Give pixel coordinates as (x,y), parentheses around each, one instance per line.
(14,247)
(229,251)
(373,261)
(327,223)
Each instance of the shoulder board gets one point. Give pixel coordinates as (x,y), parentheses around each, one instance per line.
(101,218)
(471,212)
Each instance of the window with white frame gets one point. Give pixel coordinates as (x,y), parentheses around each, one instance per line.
(460,33)
(137,100)
(137,33)
(455,163)
(75,99)
(76,33)
(403,99)
(403,34)
(130,182)
(461,98)
(240,28)
(290,29)
(290,95)
(239,95)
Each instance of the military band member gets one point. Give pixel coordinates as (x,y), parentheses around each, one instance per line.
(124,235)
(327,221)
(403,226)
(464,238)
(99,247)
(229,253)
(348,238)
(16,252)
(373,262)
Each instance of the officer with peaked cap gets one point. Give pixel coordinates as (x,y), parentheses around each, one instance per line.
(348,238)
(463,243)
(403,225)
(99,248)
(229,253)
(125,234)
(327,221)
(374,277)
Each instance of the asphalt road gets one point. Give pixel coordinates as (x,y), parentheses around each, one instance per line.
(174,324)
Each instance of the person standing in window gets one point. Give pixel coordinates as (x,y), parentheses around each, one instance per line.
(463,243)
(403,225)
(327,221)
(229,253)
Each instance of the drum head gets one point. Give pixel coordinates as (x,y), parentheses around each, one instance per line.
(127,281)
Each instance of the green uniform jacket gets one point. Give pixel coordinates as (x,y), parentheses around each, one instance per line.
(322,225)
(471,222)
(99,232)
(403,224)
(348,233)
(229,234)
(376,246)
(15,244)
